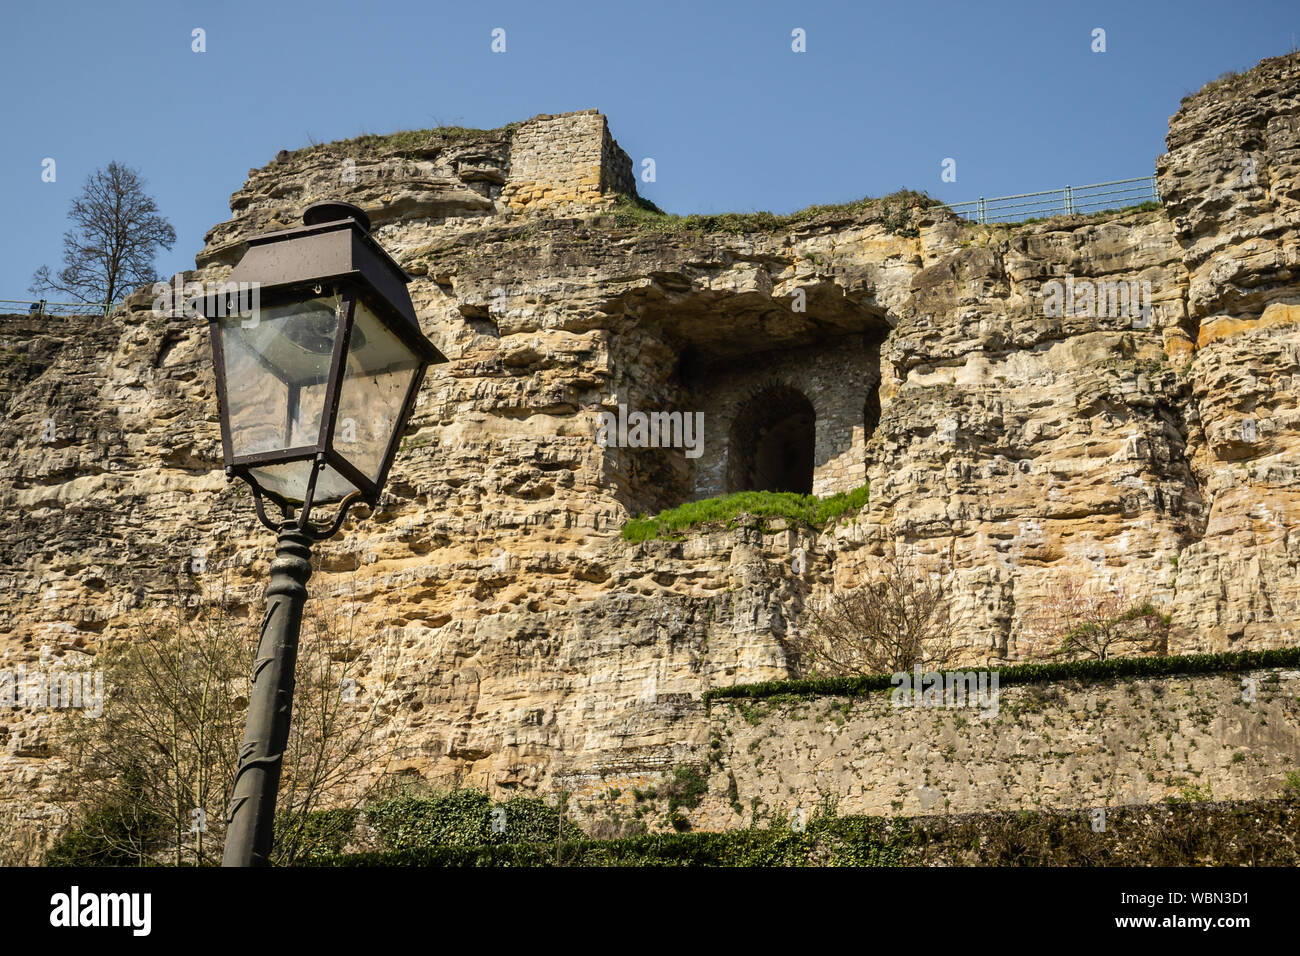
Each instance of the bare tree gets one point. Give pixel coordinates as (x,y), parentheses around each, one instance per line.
(116,234)
(151,778)
(153,772)
(1086,618)
(899,617)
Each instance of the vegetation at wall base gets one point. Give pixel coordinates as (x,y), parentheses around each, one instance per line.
(116,833)
(1248,833)
(465,828)
(801,509)
(465,817)
(320,833)
(1090,670)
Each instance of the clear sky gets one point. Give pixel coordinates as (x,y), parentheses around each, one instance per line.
(712,91)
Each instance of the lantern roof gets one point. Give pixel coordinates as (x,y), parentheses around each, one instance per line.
(333,245)
(341,344)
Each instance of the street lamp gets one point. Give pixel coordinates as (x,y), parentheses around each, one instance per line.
(314,385)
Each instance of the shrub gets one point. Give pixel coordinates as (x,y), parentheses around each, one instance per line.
(1082,617)
(899,617)
(314,834)
(1291,785)
(686,788)
(465,817)
(119,833)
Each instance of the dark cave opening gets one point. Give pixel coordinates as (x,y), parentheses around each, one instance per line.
(871,414)
(772,443)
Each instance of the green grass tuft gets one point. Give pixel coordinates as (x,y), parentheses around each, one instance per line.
(803,509)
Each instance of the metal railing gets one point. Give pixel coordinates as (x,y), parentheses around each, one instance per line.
(1097,197)
(43,307)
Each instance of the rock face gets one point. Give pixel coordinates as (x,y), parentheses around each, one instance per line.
(1139,428)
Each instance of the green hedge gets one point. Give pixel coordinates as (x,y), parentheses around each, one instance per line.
(1028,674)
(465,817)
(776,847)
(1259,832)
(319,833)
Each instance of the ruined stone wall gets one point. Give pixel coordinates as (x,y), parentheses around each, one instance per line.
(1066,746)
(558,162)
(617,174)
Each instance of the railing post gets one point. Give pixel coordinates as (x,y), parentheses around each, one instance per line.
(981,212)
(1069,201)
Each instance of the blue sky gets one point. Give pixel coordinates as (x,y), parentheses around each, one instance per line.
(734,119)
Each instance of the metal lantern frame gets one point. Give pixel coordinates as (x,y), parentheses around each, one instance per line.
(331,254)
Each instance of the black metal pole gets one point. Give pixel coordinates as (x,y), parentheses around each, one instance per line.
(250,820)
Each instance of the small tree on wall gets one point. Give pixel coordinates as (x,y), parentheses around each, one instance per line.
(1091,620)
(899,617)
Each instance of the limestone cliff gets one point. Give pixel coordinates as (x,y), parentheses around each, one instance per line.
(534,647)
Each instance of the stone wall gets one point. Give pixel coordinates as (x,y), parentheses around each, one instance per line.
(561,162)
(835,378)
(1051,746)
(617,173)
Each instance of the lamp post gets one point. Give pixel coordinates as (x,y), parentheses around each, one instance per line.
(314,385)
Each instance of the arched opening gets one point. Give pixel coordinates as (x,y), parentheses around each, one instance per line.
(772,443)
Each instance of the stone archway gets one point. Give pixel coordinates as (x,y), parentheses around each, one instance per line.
(772,443)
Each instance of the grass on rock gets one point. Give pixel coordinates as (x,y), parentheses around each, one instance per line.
(634,212)
(803,509)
